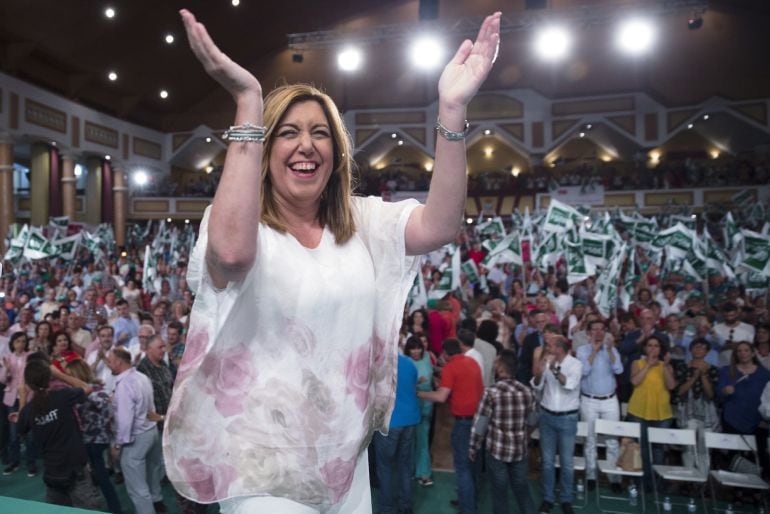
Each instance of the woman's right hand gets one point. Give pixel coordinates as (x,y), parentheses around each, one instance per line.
(235,79)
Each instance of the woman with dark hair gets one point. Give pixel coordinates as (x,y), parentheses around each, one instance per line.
(13,371)
(60,350)
(740,388)
(694,398)
(50,417)
(415,349)
(650,405)
(418,322)
(43,337)
(94,414)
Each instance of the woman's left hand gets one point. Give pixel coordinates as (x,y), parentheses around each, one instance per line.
(470,66)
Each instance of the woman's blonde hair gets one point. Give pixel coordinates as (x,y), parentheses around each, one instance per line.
(335,210)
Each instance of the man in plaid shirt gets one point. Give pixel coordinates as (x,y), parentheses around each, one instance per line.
(502,418)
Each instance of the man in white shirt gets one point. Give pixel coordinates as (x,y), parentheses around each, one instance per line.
(562,301)
(732,331)
(98,359)
(557,378)
(467,340)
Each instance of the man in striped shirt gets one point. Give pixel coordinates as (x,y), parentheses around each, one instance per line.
(501,419)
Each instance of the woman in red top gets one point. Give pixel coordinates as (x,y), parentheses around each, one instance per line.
(61,351)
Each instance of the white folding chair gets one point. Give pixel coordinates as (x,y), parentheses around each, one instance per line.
(618,429)
(734,443)
(685,438)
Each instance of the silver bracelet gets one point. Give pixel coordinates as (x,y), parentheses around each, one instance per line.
(450,135)
(246,133)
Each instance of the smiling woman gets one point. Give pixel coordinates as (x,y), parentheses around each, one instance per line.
(292,348)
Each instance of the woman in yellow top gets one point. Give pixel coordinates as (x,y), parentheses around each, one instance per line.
(650,405)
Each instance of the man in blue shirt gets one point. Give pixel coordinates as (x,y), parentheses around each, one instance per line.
(601,363)
(397,448)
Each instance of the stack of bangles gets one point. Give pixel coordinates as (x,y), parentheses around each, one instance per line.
(246,133)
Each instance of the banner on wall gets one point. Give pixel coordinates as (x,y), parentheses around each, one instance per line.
(591,194)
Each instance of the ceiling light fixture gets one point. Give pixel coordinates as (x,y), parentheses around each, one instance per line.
(112,76)
(140,178)
(236,3)
(208,140)
(427,53)
(109,13)
(552,43)
(169,38)
(487,132)
(635,36)
(349,59)
(108,157)
(163,94)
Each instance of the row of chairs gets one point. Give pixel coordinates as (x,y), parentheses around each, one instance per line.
(683,438)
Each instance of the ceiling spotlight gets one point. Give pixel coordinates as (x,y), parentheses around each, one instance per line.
(589,126)
(163,94)
(689,125)
(140,178)
(78,170)
(107,157)
(705,116)
(169,38)
(695,22)
(349,59)
(635,37)
(235,3)
(582,134)
(552,43)
(427,53)
(208,169)
(53,143)
(186,221)
(208,140)
(468,220)
(487,132)
(393,135)
(400,142)
(109,12)
(168,220)
(112,76)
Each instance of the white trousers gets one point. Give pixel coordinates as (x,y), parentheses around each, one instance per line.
(591,410)
(357,501)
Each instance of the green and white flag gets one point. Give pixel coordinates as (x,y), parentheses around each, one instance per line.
(597,249)
(471,271)
(630,279)
(676,240)
(560,217)
(16,247)
(687,221)
(67,247)
(59,221)
(606,297)
(149,271)
(732,235)
(418,296)
(508,250)
(491,227)
(547,251)
(754,242)
(37,246)
(576,264)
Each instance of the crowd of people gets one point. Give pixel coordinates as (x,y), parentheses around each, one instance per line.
(531,351)
(613,176)
(514,358)
(87,367)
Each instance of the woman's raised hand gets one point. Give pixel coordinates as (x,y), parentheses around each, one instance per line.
(470,66)
(234,78)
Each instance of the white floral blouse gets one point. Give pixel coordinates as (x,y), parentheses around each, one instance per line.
(286,374)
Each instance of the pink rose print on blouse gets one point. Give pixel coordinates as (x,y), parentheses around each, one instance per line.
(209,482)
(337,474)
(378,348)
(299,337)
(195,349)
(357,376)
(229,375)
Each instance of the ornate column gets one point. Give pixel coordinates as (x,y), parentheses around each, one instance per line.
(120,203)
(94,191)
(7,215)
(68,185)
(39,183)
